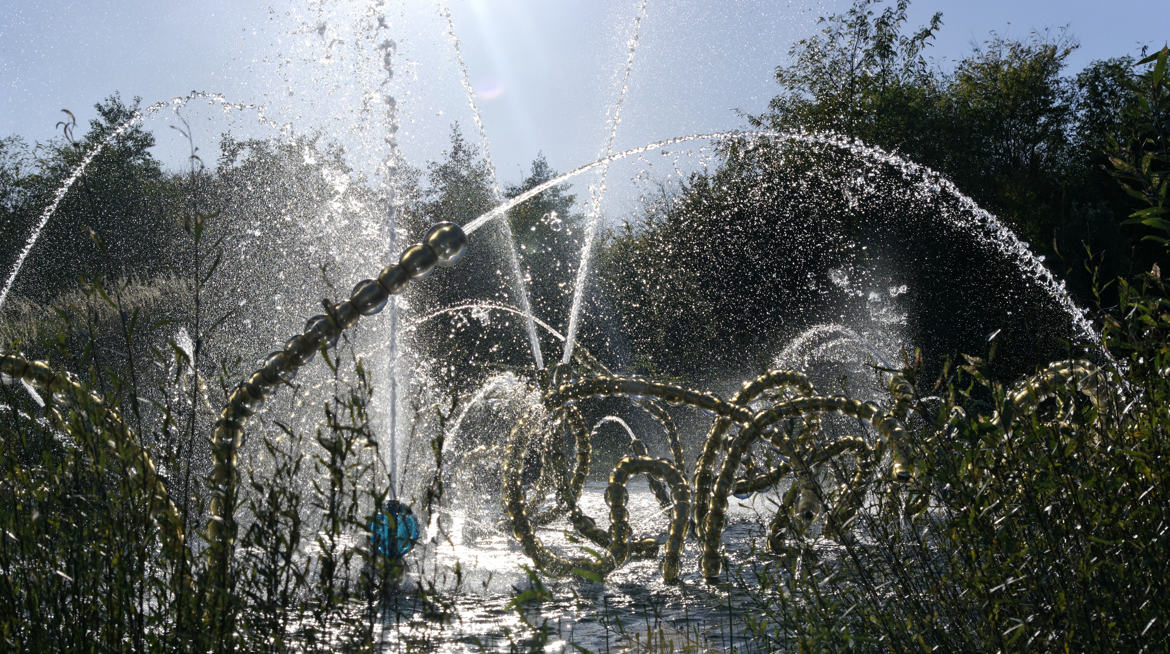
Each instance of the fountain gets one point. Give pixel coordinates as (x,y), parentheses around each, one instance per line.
(803,457)
(772,440)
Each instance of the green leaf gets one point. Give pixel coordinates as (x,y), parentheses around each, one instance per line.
(104,296)
(1134,193)
(1160,67)
(1149,211)
(587,574)
(594,553)
(1120,164)
(530,595)
(1157,223)
(1143,62)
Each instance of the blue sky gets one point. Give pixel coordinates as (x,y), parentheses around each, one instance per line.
(546,73)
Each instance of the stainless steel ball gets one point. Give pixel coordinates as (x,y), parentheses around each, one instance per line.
(447,240)
(319,329)
(346,314)
(393,279)
(369,297)
(418,260)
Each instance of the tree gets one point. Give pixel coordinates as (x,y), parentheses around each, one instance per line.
(458,189)
(861,75)
(16,164)
(1006,125)
(1141,158)
(1000,126)
(115,220)
(297,225)
(1103,96)
(1009,147)
(722,273)
(547,236)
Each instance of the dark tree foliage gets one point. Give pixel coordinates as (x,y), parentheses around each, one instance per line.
(16,164)
(1101,99)
(1140,157)
(284,201)
(547,233)
(1005,125)
(724,269)
(458,189)
(863,76)
(1011,112)
(780,238)
(118,218)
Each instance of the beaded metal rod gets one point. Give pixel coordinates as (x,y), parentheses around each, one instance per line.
(706,494)
(124,445)
(443,244)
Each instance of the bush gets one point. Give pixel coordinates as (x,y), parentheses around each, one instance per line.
(1045,522)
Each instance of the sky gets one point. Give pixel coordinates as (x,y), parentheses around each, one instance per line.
(546,74)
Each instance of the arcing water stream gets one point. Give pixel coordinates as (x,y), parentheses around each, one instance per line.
(594,213)
(80,168)
(976,221)
(505,227)
(486,444)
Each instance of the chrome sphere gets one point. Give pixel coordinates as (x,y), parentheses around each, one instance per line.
(320,328)
(393,279)
(369,297)
(447,240)
(418,260)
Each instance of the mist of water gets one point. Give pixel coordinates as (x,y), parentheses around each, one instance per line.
(980,223)
(80,168)
(594,213)
(505,228)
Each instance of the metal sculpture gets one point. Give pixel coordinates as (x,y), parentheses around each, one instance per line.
(697,498)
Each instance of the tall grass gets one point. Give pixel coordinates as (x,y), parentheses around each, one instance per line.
(1043,529)
(1042,532)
